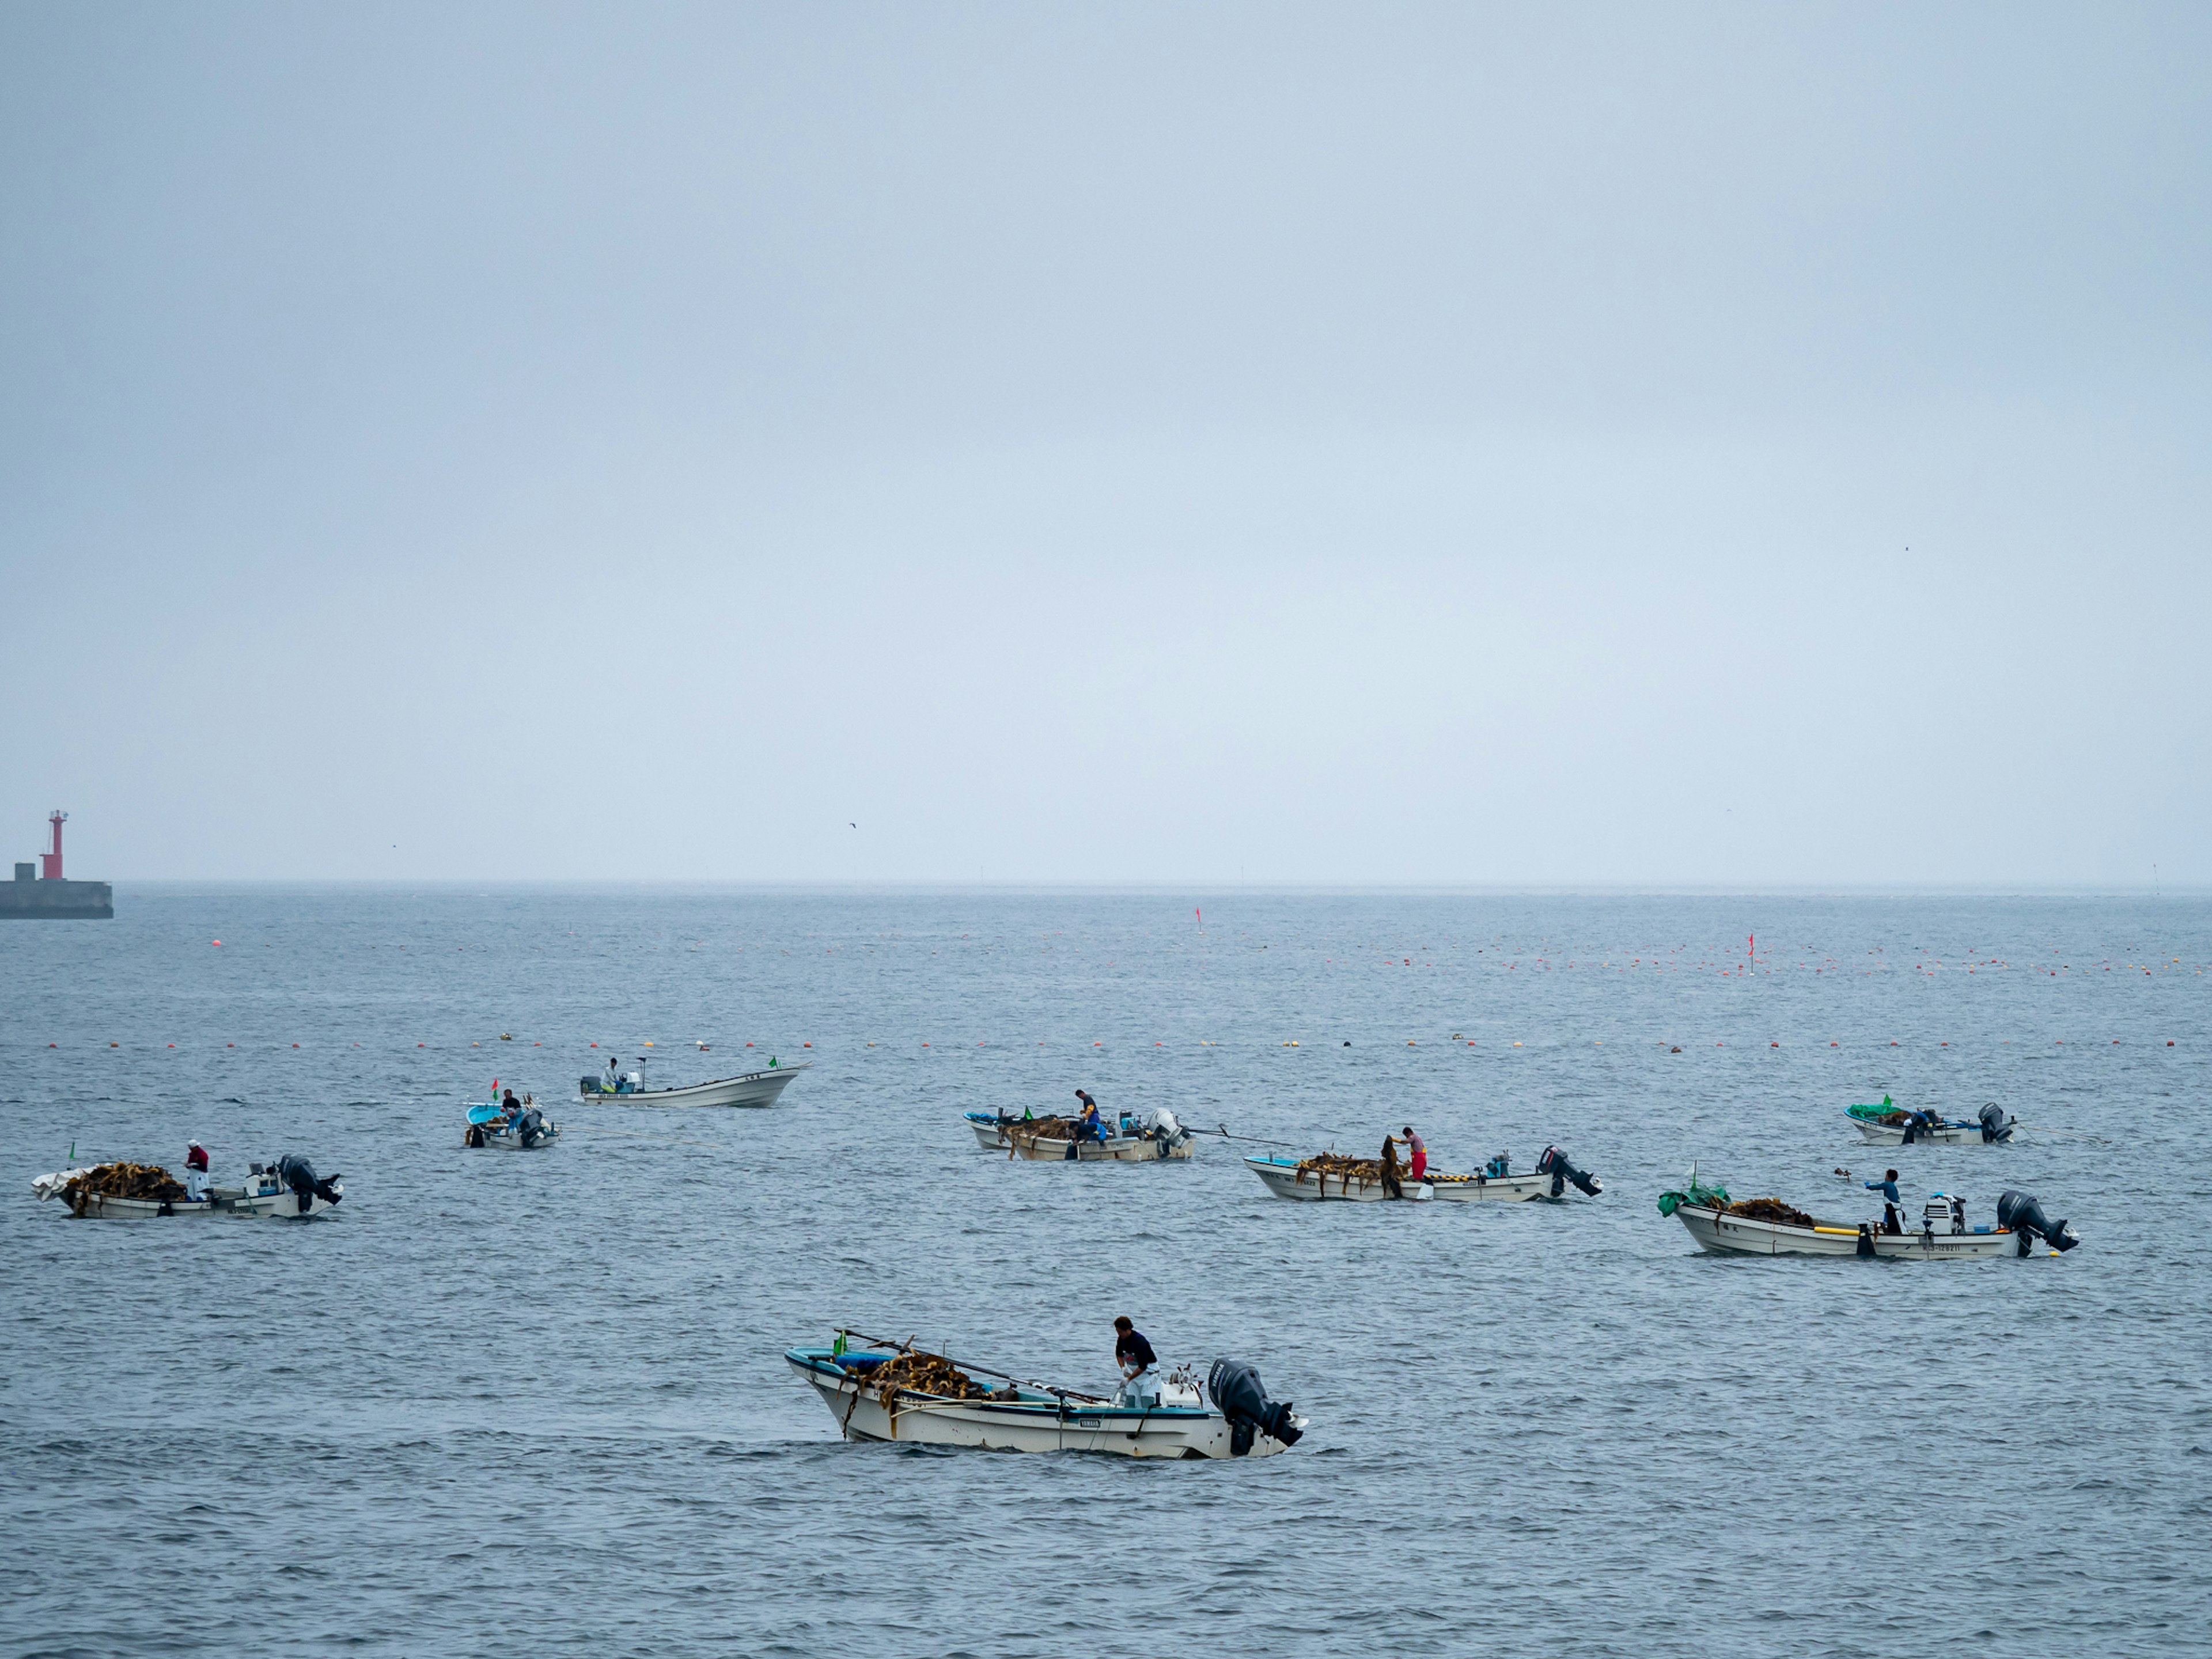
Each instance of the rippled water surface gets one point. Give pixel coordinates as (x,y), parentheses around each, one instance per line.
(502,1404)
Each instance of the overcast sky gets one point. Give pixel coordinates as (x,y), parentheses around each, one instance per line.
(1731,445)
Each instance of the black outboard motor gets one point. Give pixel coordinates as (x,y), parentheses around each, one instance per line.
(1235,1389)
(2023,1214)
(298,1174)
(1996,1125)
(529,1127)
(1556,1164)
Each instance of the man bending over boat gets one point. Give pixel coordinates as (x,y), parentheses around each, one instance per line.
(1417,1152)
(1131,1351)
(1088,1126)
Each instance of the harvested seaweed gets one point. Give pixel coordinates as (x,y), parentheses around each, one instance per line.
(148,1181)
(1770,1209)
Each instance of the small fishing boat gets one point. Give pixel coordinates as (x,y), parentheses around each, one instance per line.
(758,1088)
(1766,1226)
(525,1129)
(284,1190)
(1890,1125)
(1334,1175)
(1055,1140)
(892,1391)
(1291,1177)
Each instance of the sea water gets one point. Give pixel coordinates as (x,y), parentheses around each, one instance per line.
(524,1404)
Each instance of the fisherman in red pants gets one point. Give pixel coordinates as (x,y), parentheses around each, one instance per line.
(1418,1154)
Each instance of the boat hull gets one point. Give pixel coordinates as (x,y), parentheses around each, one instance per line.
(1729,1235)
(1281,1176)
(1032,1423)
(1950,1134)
(502,1141)
(753,1088)
(1491,1190)
(221,1200)
(1126,1149)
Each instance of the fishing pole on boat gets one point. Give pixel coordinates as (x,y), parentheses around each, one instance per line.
(1222,1129)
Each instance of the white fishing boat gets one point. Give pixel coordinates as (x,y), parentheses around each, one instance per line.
(897,1394)
(285,1190)
(1891,1125)
(523,1130)
(1773,1229)
(1055,1140)
(1283,1177)
(758,1088)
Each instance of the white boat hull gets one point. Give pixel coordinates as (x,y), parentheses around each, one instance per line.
(1729,1235)
(753,1088)
(1282,1178)
(1125,1148)
(221,1200)
(1951,1134)
(1032,1423)
(1490,1190)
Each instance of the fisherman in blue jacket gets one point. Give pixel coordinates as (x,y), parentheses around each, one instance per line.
(1893,1206)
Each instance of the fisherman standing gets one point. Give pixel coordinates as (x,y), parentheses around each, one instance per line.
(1419,1155)
(196,1170)
(1131,1351)
(1892,1207)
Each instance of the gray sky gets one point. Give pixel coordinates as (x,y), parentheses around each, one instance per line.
(1732,445)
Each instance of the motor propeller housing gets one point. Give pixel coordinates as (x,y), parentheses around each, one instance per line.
(1236,1388)
(1557,1164)
(2023,1213)
(1996,1123)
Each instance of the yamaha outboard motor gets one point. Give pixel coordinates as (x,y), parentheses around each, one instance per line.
(529,1127)
(1556,1164)
(1235,1389)
(1996,1125)
(298,1174)
(2023,1214)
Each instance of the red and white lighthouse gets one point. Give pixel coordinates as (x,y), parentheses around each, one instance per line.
(51,863)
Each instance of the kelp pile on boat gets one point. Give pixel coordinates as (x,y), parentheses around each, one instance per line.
(1344,1167)
(1026,1134)
(147,1181)
(923,1373)
(1770,1209)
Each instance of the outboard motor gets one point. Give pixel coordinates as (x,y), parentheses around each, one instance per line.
(2023,1214)
(529,1127)
(298,1174)
(1167,1128)
(1996,1125)
(1556,1164)
(1235,1389)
